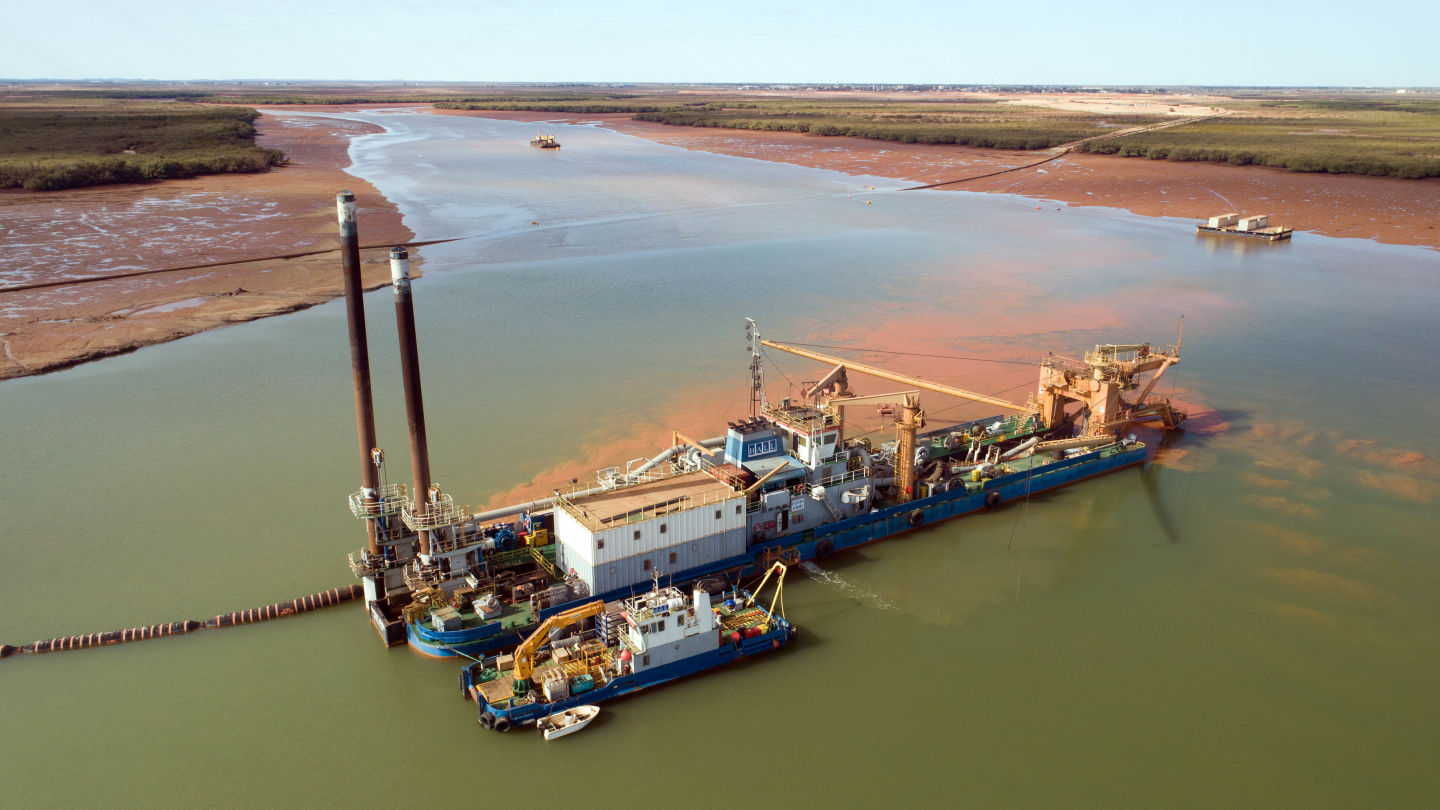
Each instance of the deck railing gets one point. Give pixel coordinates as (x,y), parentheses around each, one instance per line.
(392,500)
(438,513)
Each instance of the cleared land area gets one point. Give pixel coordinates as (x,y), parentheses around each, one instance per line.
(1372,136)
(50,143)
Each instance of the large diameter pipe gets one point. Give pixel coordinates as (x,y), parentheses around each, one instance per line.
(903,379)
(414,401)
(359,358)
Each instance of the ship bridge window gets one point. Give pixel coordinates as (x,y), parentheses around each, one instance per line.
(660,627)
(830,439)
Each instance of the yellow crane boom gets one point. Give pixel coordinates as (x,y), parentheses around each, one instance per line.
(899,378)
(779,568)
(525,653)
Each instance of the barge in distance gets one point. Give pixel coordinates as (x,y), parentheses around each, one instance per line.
(1252,227)
(783,483)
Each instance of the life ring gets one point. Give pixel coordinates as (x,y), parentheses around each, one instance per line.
(917,517)
(993,499)
(824,549)
(502,724)
(487,720)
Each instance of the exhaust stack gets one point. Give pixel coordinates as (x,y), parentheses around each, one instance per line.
(359,362)
(414,402)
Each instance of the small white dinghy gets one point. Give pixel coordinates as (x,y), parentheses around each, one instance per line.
(571,720)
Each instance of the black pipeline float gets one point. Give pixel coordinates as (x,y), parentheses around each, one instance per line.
(304,604)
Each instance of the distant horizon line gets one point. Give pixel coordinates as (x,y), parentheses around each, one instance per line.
(734,84)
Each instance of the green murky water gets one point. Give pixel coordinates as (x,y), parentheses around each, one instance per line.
(1249,621)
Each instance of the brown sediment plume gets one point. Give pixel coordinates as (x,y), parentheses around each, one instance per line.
(1279,503)
(1266,482)
(700,413)
(85,233)
(1284,459)
(1289,487)
(1372,452)
(1309,615)
(1291,539)
(1311,580)
(1310,546)
(1405,486)
(1183,459)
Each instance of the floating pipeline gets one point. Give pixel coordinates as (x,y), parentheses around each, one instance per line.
(304,604)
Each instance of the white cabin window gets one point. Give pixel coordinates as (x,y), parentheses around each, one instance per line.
(599,542)
(737,508)
(717,514)
(660,628)
(662,528)
(637,534)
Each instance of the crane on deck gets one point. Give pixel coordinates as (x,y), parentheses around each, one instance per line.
(525,653)
(1096,384)
(778,567)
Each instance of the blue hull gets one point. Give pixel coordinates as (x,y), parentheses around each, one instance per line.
(819,543)
(782,635)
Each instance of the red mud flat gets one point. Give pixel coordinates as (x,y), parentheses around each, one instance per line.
(94,232)
(1390,210)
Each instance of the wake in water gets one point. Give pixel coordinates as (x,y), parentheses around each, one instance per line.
(843,585)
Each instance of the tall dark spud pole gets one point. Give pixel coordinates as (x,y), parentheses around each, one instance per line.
(359,361)
(414,402)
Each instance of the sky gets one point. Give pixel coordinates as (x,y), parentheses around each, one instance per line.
(1275,43)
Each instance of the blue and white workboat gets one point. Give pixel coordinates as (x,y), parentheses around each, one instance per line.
(629,645)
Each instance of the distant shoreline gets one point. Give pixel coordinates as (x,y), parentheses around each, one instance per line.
(102,230)
(1385,209)
(290,209)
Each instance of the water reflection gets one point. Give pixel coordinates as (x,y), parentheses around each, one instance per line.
(1221,244)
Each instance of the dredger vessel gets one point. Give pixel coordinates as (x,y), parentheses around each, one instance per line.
(783,483)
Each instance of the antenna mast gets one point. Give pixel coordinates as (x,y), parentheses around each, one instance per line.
(757,372)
